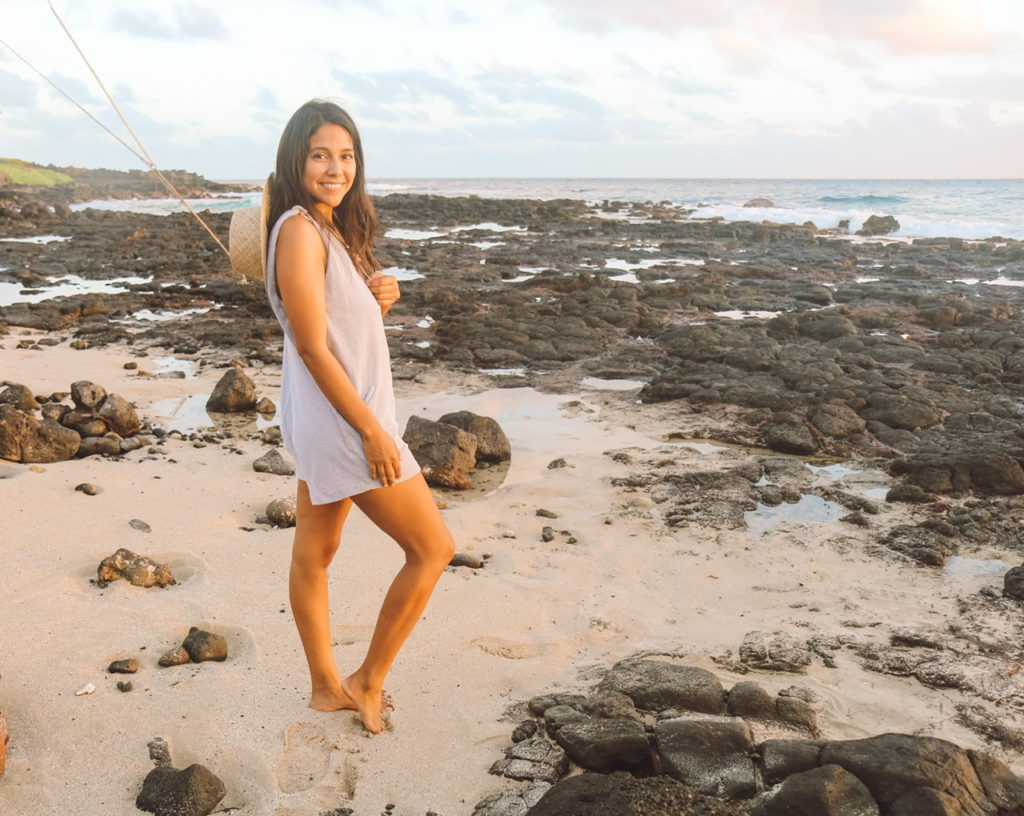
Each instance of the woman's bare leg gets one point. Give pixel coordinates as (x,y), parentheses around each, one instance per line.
(406,512)
(317,538)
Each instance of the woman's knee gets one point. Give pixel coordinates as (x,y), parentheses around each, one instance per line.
(433,548)
(313,554)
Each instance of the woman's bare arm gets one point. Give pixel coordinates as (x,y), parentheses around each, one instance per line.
(300,260)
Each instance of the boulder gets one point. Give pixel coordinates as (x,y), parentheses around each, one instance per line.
(195,791)
(491,443)
(837,421)
(234,393)
(898,767)
(535,759)
(281,512)
(23,438)
(826,791)
(775,651)
(712,754)
(273,462)
(138,570)
(87,396)
(84,423)
(760,202)
(202,645)
(748,699)
(96,445)
(19,396)
(445,453)
(898,411)
(781,758)
(789,437)
(121,416)
(622,794)
(606,745)
(1003,788)
(655,685)
(879,225)
(514,802)
(1013,583)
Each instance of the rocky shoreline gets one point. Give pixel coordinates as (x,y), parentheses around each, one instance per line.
(796,348)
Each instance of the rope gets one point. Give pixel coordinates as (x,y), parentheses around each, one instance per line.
(146,159)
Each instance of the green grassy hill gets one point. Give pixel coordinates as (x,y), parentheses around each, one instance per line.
(22,172)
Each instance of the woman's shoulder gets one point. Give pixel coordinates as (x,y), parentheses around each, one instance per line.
(298,224)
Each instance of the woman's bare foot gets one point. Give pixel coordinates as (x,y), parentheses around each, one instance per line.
(331,699)
(367,702)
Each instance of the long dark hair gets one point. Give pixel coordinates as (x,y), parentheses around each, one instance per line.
(355,218)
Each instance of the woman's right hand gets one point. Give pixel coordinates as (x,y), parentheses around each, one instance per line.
(383,457)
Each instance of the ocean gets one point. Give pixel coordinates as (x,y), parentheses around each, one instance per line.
(962,208)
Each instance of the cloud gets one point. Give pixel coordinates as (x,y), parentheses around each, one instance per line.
(902,26)
(15,91)
(403,87)
(1003,87)
(191,22)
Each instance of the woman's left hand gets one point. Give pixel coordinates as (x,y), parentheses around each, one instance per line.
(384,288)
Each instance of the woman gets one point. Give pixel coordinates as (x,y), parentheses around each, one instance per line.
(337,404)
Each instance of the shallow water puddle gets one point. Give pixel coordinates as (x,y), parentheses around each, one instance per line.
(11,293)
(403,274)
(38,239)
(189,414)
(149,315)
(742,314)
(412,235)
(162,365)
(964,565)
(810,509)
(599,384)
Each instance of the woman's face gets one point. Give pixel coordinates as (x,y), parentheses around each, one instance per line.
(330,167)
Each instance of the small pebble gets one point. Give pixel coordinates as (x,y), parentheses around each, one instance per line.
(546,513)
(130,366)
(175,657)
(557,463)
(547,534)
(509,534)
(466,560)
(87,489)
(140,525)
(159,751)
(124,685)
(128,666)
(88,688)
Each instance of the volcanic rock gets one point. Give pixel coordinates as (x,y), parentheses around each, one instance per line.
(194,791)
(281,512)
(235,392)
(655,685)
(826,791)
(273,462)
(202,645)
(23,438)
(491,443)
(138,570)
(712,754)
(605,745)
(87,396)
(1013,583)
(774,651)
(445,453)
(879,225)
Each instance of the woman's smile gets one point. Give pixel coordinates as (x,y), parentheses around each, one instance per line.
(330,167)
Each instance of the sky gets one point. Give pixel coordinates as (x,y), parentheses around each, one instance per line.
(532,88)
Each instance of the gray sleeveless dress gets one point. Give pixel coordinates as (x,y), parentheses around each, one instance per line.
(328,452)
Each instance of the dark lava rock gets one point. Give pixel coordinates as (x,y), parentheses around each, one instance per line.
(235,392)
(926,546)
(775,651)
(159,751)
(748,699)
(622,794)
(512,802)
(899,411)
(1002,786)
(23,438)
(759,202)
(525,730)
(1013,583)
(713,754)
(783,757)
(136,569)
(980,471)
(20,396)
(837,421)
(127,666)
(281,512)
(194,791)
(910,493)
(120,415)
(99,446)
(87,396)
(445,453)
(558,715)
(533,758)
(491,443)
(610,705)
(655,685)
(174,657)
(898,769)
(879,225)
(466,560)
(826,791)
(202,645)
(606,745)
(87,489)
(790,437)
(273,462)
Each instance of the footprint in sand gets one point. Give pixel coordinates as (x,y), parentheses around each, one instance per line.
(343,635)
(509,649)
(305,758)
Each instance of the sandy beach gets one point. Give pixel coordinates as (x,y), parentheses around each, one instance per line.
(539,617)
